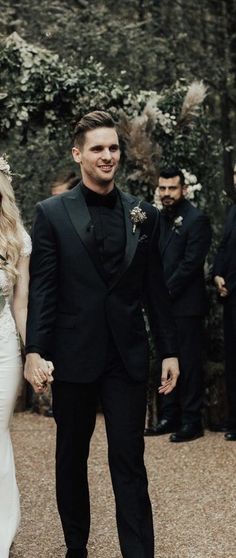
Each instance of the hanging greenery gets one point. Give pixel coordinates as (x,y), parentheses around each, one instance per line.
(42,96)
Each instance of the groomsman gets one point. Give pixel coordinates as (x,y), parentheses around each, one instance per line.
(224,272)
(185,237)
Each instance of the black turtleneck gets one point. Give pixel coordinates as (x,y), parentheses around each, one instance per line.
(172,211)
(107,216)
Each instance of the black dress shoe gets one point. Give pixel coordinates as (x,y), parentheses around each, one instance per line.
(165,426)
(187,432)
(230,436)
(77,554)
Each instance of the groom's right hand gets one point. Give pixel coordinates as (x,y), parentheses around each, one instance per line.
(38,372)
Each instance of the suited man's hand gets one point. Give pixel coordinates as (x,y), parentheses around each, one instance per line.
(169,376)
(38,372)
(220,285)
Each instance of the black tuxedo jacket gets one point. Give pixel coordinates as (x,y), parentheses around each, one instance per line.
(183,250)
(72,308)
(225,260)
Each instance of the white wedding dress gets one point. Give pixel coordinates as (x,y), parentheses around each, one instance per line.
(10,377)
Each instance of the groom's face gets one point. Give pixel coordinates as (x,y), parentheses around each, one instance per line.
(98,157)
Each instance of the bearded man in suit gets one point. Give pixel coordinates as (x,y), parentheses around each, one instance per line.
(224,273)
(95,263)
(185,236)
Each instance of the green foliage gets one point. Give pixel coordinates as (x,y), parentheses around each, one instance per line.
(40,97)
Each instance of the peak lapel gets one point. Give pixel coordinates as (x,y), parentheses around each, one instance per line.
(128,203)
(80,217)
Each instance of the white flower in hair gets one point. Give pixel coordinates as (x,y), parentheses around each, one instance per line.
(5,167)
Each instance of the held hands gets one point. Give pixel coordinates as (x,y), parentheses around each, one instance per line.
(38,372)
(220,285)
(170,374)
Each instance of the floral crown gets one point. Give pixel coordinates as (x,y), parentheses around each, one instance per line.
(5,167)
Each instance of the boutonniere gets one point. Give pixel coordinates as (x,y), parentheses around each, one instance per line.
(177,224)
(137,216)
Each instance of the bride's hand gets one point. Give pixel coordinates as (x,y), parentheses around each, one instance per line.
(50,369)
(38,372)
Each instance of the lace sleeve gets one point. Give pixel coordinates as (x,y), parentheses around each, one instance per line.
(26,244)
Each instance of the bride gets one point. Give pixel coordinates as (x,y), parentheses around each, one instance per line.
(15,249)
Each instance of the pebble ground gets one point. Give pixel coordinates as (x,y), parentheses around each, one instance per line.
(192,488)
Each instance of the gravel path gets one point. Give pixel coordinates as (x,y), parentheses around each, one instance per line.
(192,488)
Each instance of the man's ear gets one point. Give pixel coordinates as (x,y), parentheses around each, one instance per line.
(184,189)
(76,154)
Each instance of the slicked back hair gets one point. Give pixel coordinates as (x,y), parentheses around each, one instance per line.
(171,172)
(91,121)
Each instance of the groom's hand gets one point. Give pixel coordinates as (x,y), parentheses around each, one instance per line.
(169,376)
(38,372)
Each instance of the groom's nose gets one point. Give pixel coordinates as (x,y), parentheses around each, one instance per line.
(106,154)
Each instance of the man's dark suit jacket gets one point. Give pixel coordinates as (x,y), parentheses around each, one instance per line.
(225,261)
(71,306)
(183,249)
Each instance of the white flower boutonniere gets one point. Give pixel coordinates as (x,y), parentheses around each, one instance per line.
(138,216)
(177,224)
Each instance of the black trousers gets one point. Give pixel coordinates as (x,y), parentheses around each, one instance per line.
(184,404)
(124,405)
(230,361)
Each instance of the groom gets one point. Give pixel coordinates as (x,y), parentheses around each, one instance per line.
(94,265)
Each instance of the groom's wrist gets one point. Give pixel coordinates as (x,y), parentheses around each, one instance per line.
(33,349)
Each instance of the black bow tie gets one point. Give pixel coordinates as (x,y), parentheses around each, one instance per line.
(94,199)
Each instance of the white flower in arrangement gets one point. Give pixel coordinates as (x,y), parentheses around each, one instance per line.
(197,187)
(166,120)
(5,167)
(192,184)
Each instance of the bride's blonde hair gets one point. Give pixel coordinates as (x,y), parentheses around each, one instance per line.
(10,224)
